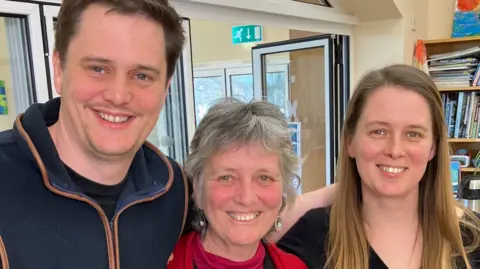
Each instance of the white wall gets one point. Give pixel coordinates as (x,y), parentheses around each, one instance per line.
(377,43)
(212,41)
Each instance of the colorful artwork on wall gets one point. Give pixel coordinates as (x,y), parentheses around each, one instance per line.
(466,21)
(3,99)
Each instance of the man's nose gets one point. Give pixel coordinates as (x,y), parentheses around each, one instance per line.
(118,92)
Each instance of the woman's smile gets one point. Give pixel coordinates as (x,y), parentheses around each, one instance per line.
(244,217)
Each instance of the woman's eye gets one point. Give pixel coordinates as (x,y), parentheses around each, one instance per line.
(413,134)
(378,132)
(225,178)
(266,178)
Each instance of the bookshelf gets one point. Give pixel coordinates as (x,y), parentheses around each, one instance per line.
(455,78)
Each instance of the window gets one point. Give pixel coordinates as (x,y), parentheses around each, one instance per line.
(214,82)
(208,87)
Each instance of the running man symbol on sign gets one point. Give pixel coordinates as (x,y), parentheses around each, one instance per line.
(238,35)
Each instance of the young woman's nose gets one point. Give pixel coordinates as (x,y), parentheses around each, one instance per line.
(395,147)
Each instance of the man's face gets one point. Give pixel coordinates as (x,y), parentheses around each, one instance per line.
(113,83)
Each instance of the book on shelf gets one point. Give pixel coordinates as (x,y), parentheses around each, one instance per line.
(456,69)
(461,110)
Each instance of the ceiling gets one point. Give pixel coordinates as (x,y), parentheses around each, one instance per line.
(323,3)
(372,10)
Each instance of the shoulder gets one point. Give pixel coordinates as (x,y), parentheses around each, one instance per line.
(282,259)
(306,239)
(8,145)
(185,241)
(314,222)
(182,252)
(318,216)
(13,160)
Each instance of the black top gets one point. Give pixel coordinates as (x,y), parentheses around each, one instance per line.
(105,195)
(308,237)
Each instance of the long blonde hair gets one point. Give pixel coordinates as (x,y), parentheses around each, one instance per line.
(442,239)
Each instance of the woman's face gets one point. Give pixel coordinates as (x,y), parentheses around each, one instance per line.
(242,193)
(393,142)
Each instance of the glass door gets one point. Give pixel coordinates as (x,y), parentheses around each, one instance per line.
(310,102)
(171,134)
(50,14)
(22,67)
(239,83)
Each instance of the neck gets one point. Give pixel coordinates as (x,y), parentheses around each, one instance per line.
(238,253)
(87,164)
(381,212)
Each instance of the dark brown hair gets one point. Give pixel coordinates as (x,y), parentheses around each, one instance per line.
(159,11)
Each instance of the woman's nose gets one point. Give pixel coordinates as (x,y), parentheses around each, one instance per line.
(246,194)
(395,148)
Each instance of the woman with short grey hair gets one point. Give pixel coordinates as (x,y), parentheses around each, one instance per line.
(241,165)
(232,121)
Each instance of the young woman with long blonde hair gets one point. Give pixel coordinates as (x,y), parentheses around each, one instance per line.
(394,206)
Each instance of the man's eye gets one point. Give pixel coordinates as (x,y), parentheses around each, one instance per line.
(97,69)
(141,76)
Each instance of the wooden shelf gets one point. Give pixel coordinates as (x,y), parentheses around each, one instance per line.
(452,40)
(463,140)
(470,169)
(448,45)
(460,89)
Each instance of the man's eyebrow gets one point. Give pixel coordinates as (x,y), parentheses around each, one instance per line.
(107,61)
(95,59)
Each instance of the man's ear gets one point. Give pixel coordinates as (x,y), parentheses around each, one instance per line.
(57,72)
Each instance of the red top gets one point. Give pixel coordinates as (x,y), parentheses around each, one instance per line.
(188,246)
(205,260)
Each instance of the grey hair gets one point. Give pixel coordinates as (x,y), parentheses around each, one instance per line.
(233,121)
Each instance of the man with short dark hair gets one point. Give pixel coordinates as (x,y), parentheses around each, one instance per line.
(80,188)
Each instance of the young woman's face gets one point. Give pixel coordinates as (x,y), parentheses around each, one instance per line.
(393,142)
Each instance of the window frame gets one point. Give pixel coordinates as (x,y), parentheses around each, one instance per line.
(232,68)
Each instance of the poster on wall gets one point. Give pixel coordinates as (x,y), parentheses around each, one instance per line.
(3,99)
(466,20)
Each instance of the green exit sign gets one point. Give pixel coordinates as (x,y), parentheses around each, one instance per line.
(246,34)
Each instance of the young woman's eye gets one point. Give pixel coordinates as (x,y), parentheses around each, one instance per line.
(414,134)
